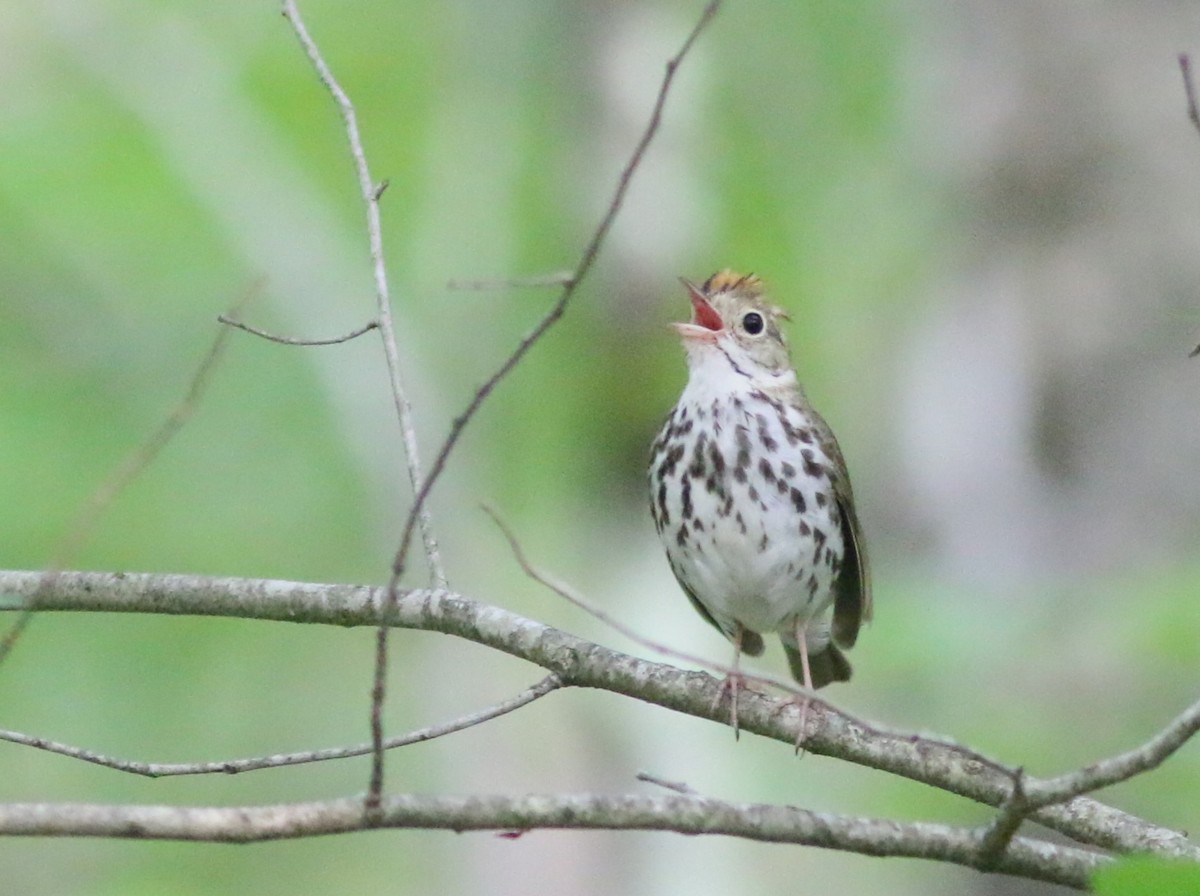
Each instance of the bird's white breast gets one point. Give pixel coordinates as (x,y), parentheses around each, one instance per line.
(761,543)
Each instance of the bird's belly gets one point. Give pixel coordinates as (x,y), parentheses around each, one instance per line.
(755,566)
(746,509)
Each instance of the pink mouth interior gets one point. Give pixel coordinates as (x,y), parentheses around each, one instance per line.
(706,316)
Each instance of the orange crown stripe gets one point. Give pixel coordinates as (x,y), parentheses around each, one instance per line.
(723,281)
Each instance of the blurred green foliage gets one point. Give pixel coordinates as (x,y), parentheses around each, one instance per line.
(1144,876)
(157,158)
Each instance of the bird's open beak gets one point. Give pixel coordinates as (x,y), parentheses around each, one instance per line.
(705,323)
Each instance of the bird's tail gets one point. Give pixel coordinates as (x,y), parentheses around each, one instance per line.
(827,665)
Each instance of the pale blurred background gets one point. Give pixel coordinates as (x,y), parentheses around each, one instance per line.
(984,218)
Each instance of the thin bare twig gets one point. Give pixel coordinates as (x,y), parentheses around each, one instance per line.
(1151,754)
(1193,113)
(371,193)
(556,278)
(573,597)
(1189,89)
(674,786)
(587,259)
(590,251)
(291,340)
(234,766)
(118,480)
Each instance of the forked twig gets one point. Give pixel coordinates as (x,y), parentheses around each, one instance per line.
(1151,754)
(590,251)
(371,193)
(997,836)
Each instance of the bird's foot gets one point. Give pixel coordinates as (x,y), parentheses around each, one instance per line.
(802,702)
(732,685)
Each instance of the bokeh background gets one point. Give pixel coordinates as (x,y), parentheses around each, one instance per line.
(984,219)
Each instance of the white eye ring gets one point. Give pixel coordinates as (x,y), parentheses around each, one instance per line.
(753,323)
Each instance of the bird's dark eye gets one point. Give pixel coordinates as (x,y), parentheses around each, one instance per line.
(752,323)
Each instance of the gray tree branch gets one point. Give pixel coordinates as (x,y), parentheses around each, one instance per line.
(580,663)
(516,816)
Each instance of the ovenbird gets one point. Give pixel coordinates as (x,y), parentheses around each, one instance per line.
(750,494)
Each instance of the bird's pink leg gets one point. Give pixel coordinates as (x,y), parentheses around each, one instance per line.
(804,701)
(732,684)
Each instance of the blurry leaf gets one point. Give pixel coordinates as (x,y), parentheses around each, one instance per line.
(1148,876)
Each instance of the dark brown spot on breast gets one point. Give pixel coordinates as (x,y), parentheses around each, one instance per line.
(811,466)
(696,467)
(764,434)
(674,455)
(764,467)
(663,517)
(716,459)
